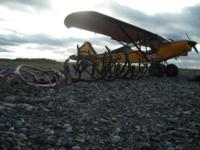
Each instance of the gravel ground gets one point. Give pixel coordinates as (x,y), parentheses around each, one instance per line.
(145,114)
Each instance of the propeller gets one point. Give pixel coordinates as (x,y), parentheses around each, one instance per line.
(196,50)
(192,43)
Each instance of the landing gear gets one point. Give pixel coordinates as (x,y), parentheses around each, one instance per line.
(171,70)
(158,70)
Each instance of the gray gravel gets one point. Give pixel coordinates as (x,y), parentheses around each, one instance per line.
(146,114)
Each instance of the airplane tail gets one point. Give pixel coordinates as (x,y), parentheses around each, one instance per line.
(86,50)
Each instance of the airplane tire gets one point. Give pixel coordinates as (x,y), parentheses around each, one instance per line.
(156,70)
(171,70)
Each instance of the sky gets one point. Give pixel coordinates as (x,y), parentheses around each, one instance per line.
(35,28)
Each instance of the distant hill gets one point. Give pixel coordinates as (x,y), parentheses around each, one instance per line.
(37,62)
(48,63)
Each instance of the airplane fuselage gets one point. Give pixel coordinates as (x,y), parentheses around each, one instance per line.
(165,52)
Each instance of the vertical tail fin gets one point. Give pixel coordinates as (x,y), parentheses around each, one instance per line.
(86,50)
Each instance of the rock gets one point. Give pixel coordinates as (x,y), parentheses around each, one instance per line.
(44,109)
(95,122)
(84,117)
(173,119)
(49,140)
(49,131)
(114,119)
(66,142)
(2,108)
(187,112)
(80,140)
(97,129)
(27,107)
(62,148)
(10,98)
(116,139)
(138,128)
(118,130)
(76,148)
(169,146)
(22,136)
(51,91)
(50,104)
(12,129)
(12,105)
(102,120)
(20,122)
(160,125)
(71,101)
(179,147)
(68,128)
(145,146)
(23,129)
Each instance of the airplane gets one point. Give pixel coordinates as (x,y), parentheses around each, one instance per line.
(138,45)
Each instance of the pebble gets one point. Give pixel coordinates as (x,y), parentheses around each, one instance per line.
(76,148)
(9,98)
(2,108)
(116,139)
(157,117)
(179,147)
(22,136)
(118,130)
(80,140)
(114,119)
(145,146)
(68,128)
(102,120)
(187,112)
(138,128)
(97,129)
(62,148)
(71,101)
(169,146)
(27,107)
(66,142)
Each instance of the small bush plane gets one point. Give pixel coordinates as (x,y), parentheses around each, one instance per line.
(138,45)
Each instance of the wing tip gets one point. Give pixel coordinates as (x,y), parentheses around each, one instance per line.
(67,21)
(69,18)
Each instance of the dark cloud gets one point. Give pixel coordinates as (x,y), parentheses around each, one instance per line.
(186,63)
(38,39)
(4,50)
(167,24)
(5,41)
(28,5)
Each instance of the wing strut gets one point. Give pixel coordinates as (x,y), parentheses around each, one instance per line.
(123,30)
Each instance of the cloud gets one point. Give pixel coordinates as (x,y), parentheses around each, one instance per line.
(171,25)
(46,42)
(2,19)
(5,41)
(168,24)
(39,39)
(4,50)
(26,5)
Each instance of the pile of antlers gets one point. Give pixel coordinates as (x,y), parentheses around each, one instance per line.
(29,76)
(24,75)
(84,68)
